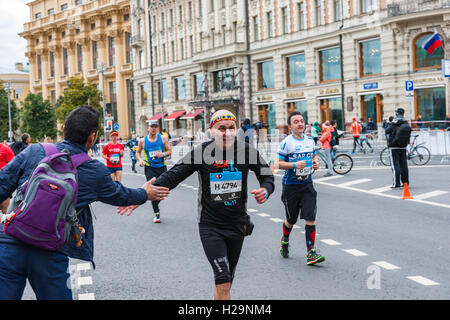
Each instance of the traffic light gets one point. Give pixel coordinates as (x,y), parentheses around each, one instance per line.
(108,125)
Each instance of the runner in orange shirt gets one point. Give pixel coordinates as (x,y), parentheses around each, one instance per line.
(356,129)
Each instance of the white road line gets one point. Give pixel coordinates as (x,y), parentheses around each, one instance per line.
(430,194)
(83,266)
(84,281)
(385,265)
(423,281)
(194,188)
(328,178)
(263,214)
(86,296)
(382,189)
(353,182)
(331,242)
(276,220)
(252,210)
(296,227)
(356,253)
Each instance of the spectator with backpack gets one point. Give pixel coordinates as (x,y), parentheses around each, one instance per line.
(19,146)
(56,222)
(398,134)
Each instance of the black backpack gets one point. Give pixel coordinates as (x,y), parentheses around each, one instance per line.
(401,136)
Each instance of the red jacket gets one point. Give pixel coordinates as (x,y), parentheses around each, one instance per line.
(6,155)
(326,138)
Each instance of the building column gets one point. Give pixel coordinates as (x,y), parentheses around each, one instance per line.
(44,68)
(58,71)
(102,50)
(33,72)
(87,58)
(121,87)
(71,52)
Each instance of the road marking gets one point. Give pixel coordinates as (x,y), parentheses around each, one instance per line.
(83,266)
(386,265)
(331,242)
(382,189)
(86,296)
(430,194)
(276,220)
(356,253)
(296,227)
(84,281)
(263,214)
(252,210)
(353,182)
(194,188)
(423,281)
(328,178)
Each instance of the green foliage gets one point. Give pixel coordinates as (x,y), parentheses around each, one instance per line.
(38,118)
(4,115)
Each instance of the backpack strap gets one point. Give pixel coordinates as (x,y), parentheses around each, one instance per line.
(80,158)
(49,148)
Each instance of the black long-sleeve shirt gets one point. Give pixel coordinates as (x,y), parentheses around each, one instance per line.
(222,194)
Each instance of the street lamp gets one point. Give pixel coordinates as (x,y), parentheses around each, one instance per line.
(8,89)
(102,70)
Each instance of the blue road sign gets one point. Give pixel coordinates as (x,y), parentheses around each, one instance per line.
(116,126)
(409,85)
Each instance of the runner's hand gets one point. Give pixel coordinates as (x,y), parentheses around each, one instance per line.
(300,164)
(154,192)
(260,195)
(142,163)
(159,154)
(316,164)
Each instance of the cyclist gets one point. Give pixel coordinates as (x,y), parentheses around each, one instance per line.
(297,156)
(113,153)
(156,148)
(223,166)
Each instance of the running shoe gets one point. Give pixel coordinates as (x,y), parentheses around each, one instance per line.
(156,218)
(313,257)
(284,248)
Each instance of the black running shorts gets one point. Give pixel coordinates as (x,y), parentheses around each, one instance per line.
(222,248)
(299,199)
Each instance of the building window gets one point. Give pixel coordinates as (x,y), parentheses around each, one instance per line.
(163,22)
(126,17)
(330,64)
(372,107)
(331,109)
(113,99)
(270,24)
(370,57)
(64,7)
(430,104)
(200,7)
(225,79)
(337,10)
(164,54)
(37,15)
(182,49)
(162,91)
(180,14)
(52,64)
(296,70)
(94,55)
(301,15)
(50,11)
(199,87)
(285,20)
(424,60)
(367,6)
(172,50)
(143,93)
(65,61)
(211,5)
(39,66)
(318,12)
(191,42)
(190,11)
(180,88)
(131,109)
(128,49)
(266,79)
(170,17)
(267,115)
(80,57)
(111,52)
(78,2)
(256,28)
(108,22)
(299,106)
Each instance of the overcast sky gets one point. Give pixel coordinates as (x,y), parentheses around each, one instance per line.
(13,14)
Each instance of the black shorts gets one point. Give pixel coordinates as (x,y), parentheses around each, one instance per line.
(154,172)
(299,199)
(222,248)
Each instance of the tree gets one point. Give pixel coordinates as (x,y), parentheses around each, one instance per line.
(77,94)
(38,117)
(4,114)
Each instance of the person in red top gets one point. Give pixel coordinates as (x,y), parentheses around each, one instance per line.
(6,155)
(113,153)
(356,129)
(326,146)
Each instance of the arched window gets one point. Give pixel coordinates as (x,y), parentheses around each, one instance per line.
(424,60)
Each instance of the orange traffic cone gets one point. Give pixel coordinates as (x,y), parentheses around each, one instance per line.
(406,193)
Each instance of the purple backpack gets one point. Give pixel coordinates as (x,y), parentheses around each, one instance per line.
(43,211)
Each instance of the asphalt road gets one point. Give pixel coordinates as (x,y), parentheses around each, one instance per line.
(376,245)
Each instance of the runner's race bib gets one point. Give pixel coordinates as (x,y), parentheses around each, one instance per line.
(153,153)
(303,174)
(225,186)
(115,158)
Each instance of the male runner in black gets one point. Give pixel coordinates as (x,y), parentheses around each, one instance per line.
(223,165)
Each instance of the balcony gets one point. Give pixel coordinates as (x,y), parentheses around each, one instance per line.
(110,71)
(126,68)
(63,79)
(398,8)
(230,50)
(50,81)
(92,74)
(137,41)
(37,83)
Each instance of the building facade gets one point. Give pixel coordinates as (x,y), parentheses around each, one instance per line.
(77,38)
(329,59)
(19,80)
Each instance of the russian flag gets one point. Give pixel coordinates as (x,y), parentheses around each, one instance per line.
(433,43)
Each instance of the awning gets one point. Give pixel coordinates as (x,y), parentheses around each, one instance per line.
(174,115)
(157,116)
(192,114)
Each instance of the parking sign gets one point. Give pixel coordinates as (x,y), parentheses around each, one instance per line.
(409,86)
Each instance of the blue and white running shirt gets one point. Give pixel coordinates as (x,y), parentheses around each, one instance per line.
(292,150)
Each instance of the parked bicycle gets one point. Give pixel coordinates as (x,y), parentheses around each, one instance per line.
(417,153)
(342,163)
